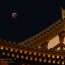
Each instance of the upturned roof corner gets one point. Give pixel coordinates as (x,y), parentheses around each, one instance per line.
(46,34)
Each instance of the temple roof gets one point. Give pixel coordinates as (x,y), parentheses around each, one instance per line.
(33,17)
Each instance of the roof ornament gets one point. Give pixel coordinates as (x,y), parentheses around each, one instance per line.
(63,13)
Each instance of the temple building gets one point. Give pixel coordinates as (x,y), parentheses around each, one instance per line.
(36,30)
(35,50)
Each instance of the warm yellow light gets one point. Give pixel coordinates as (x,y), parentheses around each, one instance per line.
(31,58)
(58,62)
(35,53)
(43,55)
(22,56)
(40,59)
(16,50)
(6,48)
(53,56)
(25,52)
(53,61)
(36,59)
(57,57)
(26,57)
(11,49)
(20,51)
(63,63)
(49,61)
(17,56)
(44,60)
(1,48)
(62,57)
(3,53)
(49,56)
(12,55)
(8,54)
(30,53)
(39,54)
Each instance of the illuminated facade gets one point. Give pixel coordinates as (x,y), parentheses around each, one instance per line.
(34,51)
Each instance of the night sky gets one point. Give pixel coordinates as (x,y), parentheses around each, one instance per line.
(33,17)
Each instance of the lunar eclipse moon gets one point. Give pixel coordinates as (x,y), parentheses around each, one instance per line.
(14,15)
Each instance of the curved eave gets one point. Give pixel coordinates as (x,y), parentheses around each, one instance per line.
(46,34)
(12,48)
(27,54)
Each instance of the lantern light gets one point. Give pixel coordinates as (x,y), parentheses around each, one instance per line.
(36,59)
(3,53)
(35,53)
(30,53)
(11,49)
(49,56)
(1,48)
(16,50)
(58,62)
(25,52)
(22,56)
(53,61)
(6,48)
(63,63)
(43,55)
(17,56)
(12,55)
(8,54)
(26,57)
(57,57)
(20,51)
(45,60)
(62,57)
(49,61)
(31,58)
(53,56)
(40,59)
(39,54)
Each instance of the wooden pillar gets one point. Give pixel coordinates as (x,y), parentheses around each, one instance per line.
(61,39)
(61,48)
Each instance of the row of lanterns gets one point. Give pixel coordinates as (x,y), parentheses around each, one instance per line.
(39,54)
(40,59)
(35,54)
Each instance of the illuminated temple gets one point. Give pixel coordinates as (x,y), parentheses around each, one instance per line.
(34,51)
(38,31)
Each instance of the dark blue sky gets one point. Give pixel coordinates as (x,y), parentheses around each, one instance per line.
(33,17)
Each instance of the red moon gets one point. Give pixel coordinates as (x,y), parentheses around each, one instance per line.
(14,15)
